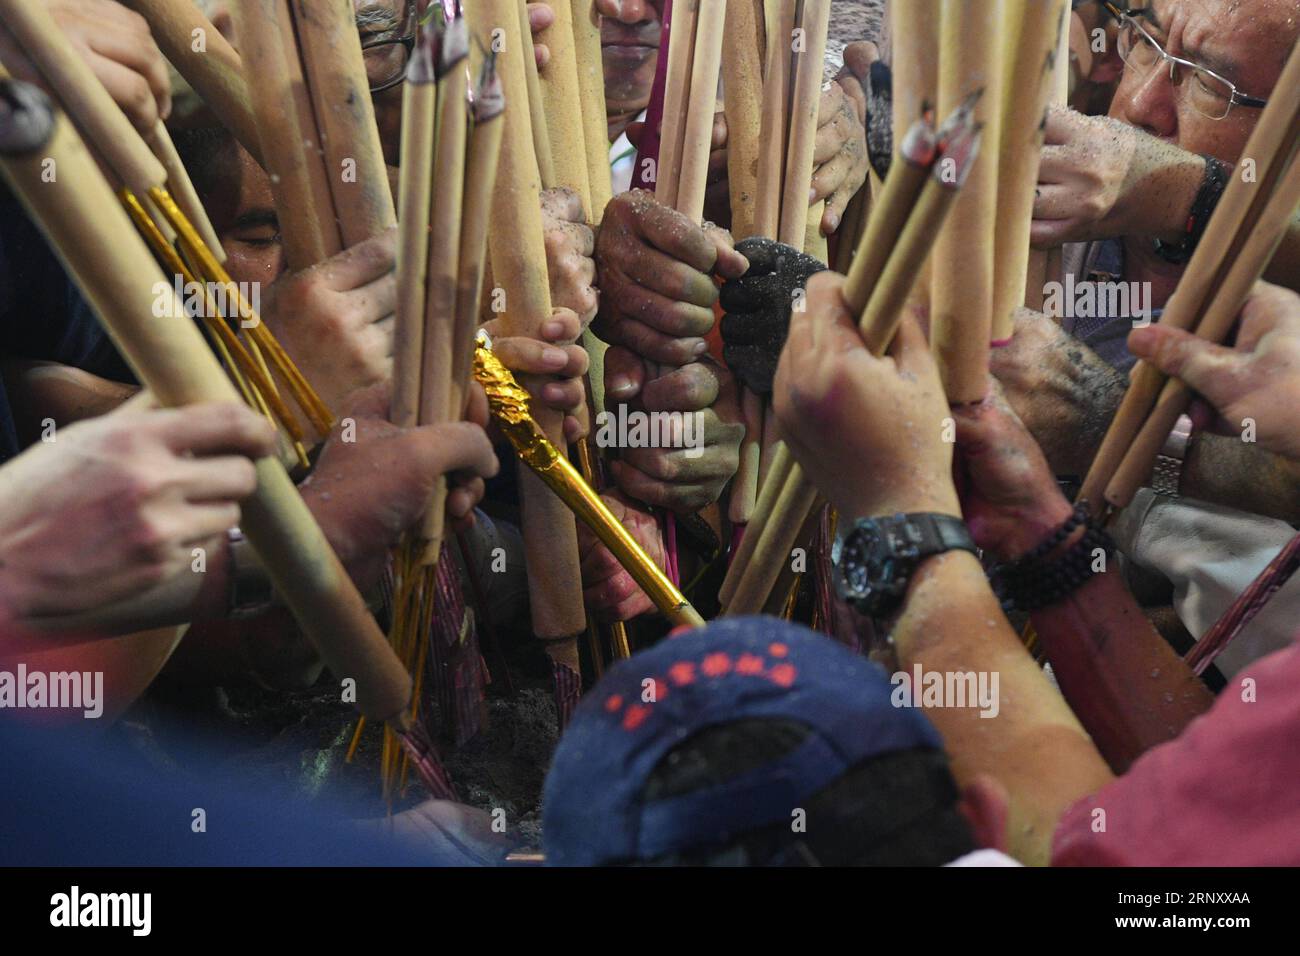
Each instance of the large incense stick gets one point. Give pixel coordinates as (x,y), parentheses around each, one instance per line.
(964,265)
(677,90)
(805,99)
(591,92)
(209,64)
(776,116)
(1030,86)
(118,275)
(443,274)
(335,71)
(742,82)
(563,102)
(518,256)
(286,125)
(537,107)
(697,133)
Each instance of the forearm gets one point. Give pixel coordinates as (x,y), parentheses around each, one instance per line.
(42,392)
(1238,474)
(1123,681)
(1034,746)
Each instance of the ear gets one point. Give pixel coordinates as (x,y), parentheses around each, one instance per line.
(985,805)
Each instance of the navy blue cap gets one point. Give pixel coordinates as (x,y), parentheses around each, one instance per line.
(593,812)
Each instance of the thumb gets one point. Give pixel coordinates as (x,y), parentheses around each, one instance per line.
(1204,366)
(633,133)
(624,373)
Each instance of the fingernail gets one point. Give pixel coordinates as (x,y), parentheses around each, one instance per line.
(553,329)
(555,358)
(833,221)
(619,384)
(812,196)
(701,347)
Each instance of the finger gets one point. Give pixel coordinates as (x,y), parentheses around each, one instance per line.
(909,350)
(830,104)
(673,233)
(364,263)
(729,263)
(633,133)
(215,428)
(456,446)
(859,56)
(635,483)
(140,54)
(528,356)
(1268,307)
(1054,202)
(225,478)
(1208,368)
(1058,129)
(661,273)
(562,204)
(625,374)
(131,92)
(204,521)
(666,314)
(540,16)
(830,139)
(831,176)
(561,328)
(690,388)
(369,402)
(565,396)
(653,345)
(374,301)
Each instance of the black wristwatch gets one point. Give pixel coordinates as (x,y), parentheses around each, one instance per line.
(875,561)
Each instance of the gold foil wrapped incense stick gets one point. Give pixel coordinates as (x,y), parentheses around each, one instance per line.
(509,403)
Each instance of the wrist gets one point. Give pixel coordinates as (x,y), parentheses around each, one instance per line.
(909,503)
(1034,525)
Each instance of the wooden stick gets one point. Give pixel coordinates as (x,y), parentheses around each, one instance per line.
(537,107)
(99,119)
(443,274)
(697,133)
(962,279)
(681,54)
(115,270)
(591,92)
(335,71)
(809,66)
(1215,325)
(1031,84)
(182,188)
(286,126)
(563,105)
(518,255)
(777,85)
(1208,265)
(1045,265)
(415,188)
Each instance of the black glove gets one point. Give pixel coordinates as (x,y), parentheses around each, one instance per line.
(757,307)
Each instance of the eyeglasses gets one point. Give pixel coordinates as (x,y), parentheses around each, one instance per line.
(1209,93)
(386,61)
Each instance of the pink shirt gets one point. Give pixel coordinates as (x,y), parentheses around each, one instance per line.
(1226,792)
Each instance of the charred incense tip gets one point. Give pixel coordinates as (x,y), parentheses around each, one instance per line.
(26,118)
(920,144)
(959,117)
(421,68)
(489,98)
(455,45)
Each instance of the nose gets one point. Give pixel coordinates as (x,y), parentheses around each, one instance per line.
(627,11)
(1152,106)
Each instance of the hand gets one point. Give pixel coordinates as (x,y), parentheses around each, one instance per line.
(554,354)
(366,492)
(868,82)
(540,16)
(569,246)
(1101,178)
(840,160)
(1062,390)
(867,431)
(336,318)
(758,309)
(1010,499)
(1257,379)
(117,45)
(608,590)
(115,505)
(655,271)
(691,473)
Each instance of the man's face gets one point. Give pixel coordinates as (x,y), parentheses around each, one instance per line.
(383,20)
(243,215)
(1244,41)
(630,43)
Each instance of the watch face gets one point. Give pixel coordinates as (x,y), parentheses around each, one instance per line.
(868,560)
